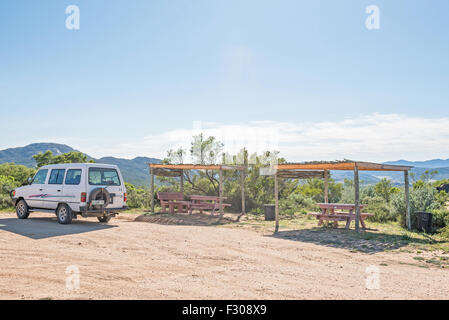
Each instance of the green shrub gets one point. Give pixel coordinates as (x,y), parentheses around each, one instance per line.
(348,194)
(314,189)
(398,207)
(297,202)
(422,198)
(138,198)
(444,232)
(7,184)
(5,201)
(382,210)
(440,218)
(11,177)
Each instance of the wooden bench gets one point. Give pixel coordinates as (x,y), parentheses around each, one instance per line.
(172,199)
(211,203)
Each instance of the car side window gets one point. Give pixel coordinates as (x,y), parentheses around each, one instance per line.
(40,177)
(56,176)
(73,177)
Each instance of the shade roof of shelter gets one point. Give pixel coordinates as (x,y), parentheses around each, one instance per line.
(300,174)
(196,166)
(175,170)
(342,165)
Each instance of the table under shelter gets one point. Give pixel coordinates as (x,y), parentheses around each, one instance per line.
(308,170)
(335,212)
(197,202)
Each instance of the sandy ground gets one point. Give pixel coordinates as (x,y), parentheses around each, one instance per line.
(140,260)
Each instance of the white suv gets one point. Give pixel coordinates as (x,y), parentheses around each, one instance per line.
(86,189)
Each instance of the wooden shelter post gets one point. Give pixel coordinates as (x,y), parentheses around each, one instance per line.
(276,202)
(407,200)
(242,186)
(220,188)
(326,186)
(357,197)
(182,181)
(152,189)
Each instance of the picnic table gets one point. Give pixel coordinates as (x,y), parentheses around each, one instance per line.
(211,203)
(339,212)
(172,200)
(176,199)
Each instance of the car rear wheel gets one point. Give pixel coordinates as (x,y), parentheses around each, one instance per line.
(64,214)
(104,219)
(22,210)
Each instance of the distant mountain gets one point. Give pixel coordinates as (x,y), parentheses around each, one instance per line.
(24,155)
(134,171)
(435,163)
(367,177)
(372,177)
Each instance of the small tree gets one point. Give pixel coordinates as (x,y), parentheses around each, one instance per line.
(12,176)
(384,188)
(205,151)
(314,188)
(46,158)
(202,151)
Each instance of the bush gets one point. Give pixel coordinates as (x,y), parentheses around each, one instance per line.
(440,218)
(382,210)
(314,189)
(444,232)
(18,173)
(297,202)
(422,198)
(138,198)
(11,177)
(7,184)
(5,202)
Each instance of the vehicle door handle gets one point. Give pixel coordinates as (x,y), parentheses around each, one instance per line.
(58,190)
(41,189)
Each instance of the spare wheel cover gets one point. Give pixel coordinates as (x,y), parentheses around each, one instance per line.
(100,194)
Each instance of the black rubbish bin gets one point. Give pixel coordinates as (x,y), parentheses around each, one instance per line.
(424,222)
(269,210)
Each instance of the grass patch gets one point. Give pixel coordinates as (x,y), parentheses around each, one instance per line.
(378,237)
(419,258)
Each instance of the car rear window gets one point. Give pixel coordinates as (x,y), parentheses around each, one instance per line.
(103,177)
(73,177)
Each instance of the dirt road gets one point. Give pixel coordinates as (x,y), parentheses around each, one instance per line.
(140,260)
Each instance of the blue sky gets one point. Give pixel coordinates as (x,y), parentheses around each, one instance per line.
(138,74)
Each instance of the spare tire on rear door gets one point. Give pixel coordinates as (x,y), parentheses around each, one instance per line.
(99,194)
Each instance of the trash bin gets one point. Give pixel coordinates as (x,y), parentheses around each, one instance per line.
(269,210)
(424,221)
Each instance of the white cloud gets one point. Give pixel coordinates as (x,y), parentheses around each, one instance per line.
(374,137)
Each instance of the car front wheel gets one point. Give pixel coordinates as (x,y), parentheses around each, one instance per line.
(22,210)
(64,214)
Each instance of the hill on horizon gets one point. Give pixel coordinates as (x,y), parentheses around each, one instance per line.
(24,155)
(134,171)
(435,163)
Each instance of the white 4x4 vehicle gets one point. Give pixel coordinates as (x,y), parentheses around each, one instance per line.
(86,189)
